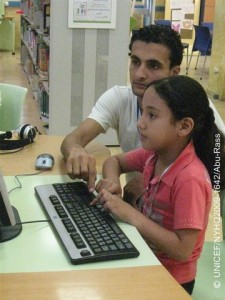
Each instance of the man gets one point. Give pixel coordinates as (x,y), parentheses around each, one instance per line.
(156,52)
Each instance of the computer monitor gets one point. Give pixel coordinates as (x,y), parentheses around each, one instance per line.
(9,216)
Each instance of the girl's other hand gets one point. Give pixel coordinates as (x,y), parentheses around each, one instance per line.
(109,185)
(115,205)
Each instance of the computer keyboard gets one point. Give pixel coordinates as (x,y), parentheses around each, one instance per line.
(88,233)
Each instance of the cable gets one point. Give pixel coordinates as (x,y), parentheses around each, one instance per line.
(29,222)
(11,151)
(19,187)
(20,175)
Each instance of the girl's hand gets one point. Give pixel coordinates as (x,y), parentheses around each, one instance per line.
(109,185)
(115,205)
(133,190)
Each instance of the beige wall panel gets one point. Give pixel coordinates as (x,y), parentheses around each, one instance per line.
(216,82)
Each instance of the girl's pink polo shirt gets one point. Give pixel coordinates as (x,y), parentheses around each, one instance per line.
(179,199)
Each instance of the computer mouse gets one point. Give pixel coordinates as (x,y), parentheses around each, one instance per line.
(44,162)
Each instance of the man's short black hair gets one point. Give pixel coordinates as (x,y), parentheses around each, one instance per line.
(163,35)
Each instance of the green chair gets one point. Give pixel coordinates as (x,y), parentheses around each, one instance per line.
(11,104)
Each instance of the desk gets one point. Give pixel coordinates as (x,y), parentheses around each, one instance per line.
(126,282)
(22,162)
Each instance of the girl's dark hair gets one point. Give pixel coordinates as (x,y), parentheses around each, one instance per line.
(161,35)
(187,98)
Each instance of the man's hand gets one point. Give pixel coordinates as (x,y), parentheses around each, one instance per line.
(133,190)
(82,165)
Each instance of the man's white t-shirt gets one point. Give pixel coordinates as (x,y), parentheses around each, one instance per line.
(117,108)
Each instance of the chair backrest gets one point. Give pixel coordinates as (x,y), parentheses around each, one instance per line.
(210,25)
(163,23)
(203,40)
(11,104)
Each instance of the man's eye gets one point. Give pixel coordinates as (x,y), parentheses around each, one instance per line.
(153,66)
(135,61)
(152,116)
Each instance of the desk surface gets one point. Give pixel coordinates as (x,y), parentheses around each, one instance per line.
(50,255)
(150,281)
(23,161)
(137,284)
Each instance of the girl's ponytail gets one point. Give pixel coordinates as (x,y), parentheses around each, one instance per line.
(209,145)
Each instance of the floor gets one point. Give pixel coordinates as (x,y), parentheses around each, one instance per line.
(207,281)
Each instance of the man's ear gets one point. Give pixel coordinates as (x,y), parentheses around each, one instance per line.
(185,126)
(175,71)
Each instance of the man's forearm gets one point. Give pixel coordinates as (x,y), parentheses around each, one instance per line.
(80,137)
(70,144)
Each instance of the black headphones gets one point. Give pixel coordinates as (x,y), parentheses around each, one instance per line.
(26,135)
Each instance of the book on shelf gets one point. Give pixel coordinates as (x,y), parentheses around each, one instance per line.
(43,60)
(46,24)
(34,11)
(43,101)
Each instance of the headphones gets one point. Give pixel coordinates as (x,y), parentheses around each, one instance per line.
(26,134)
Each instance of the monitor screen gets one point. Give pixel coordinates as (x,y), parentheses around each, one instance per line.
(9,217)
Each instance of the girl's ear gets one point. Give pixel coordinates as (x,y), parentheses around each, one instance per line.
(186,126)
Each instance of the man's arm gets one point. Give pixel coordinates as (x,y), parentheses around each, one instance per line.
(79,163)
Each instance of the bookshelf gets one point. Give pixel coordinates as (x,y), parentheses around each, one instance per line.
(35,50)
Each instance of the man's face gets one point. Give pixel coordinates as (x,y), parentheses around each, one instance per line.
(149,61)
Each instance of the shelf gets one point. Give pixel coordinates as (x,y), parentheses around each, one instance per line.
(46,39)
(35,47)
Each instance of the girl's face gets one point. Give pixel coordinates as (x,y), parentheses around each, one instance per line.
(157,126)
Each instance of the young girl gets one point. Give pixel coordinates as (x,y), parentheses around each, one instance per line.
(178,136)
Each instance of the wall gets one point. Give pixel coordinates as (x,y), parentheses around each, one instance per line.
(209,10)
(160,9)
(159,12)
(216,83)
(84,63)
(185,35)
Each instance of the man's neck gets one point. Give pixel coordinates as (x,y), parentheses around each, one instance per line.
(139,100)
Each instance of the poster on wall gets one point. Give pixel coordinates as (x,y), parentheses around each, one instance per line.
(182,14)
(92,14)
